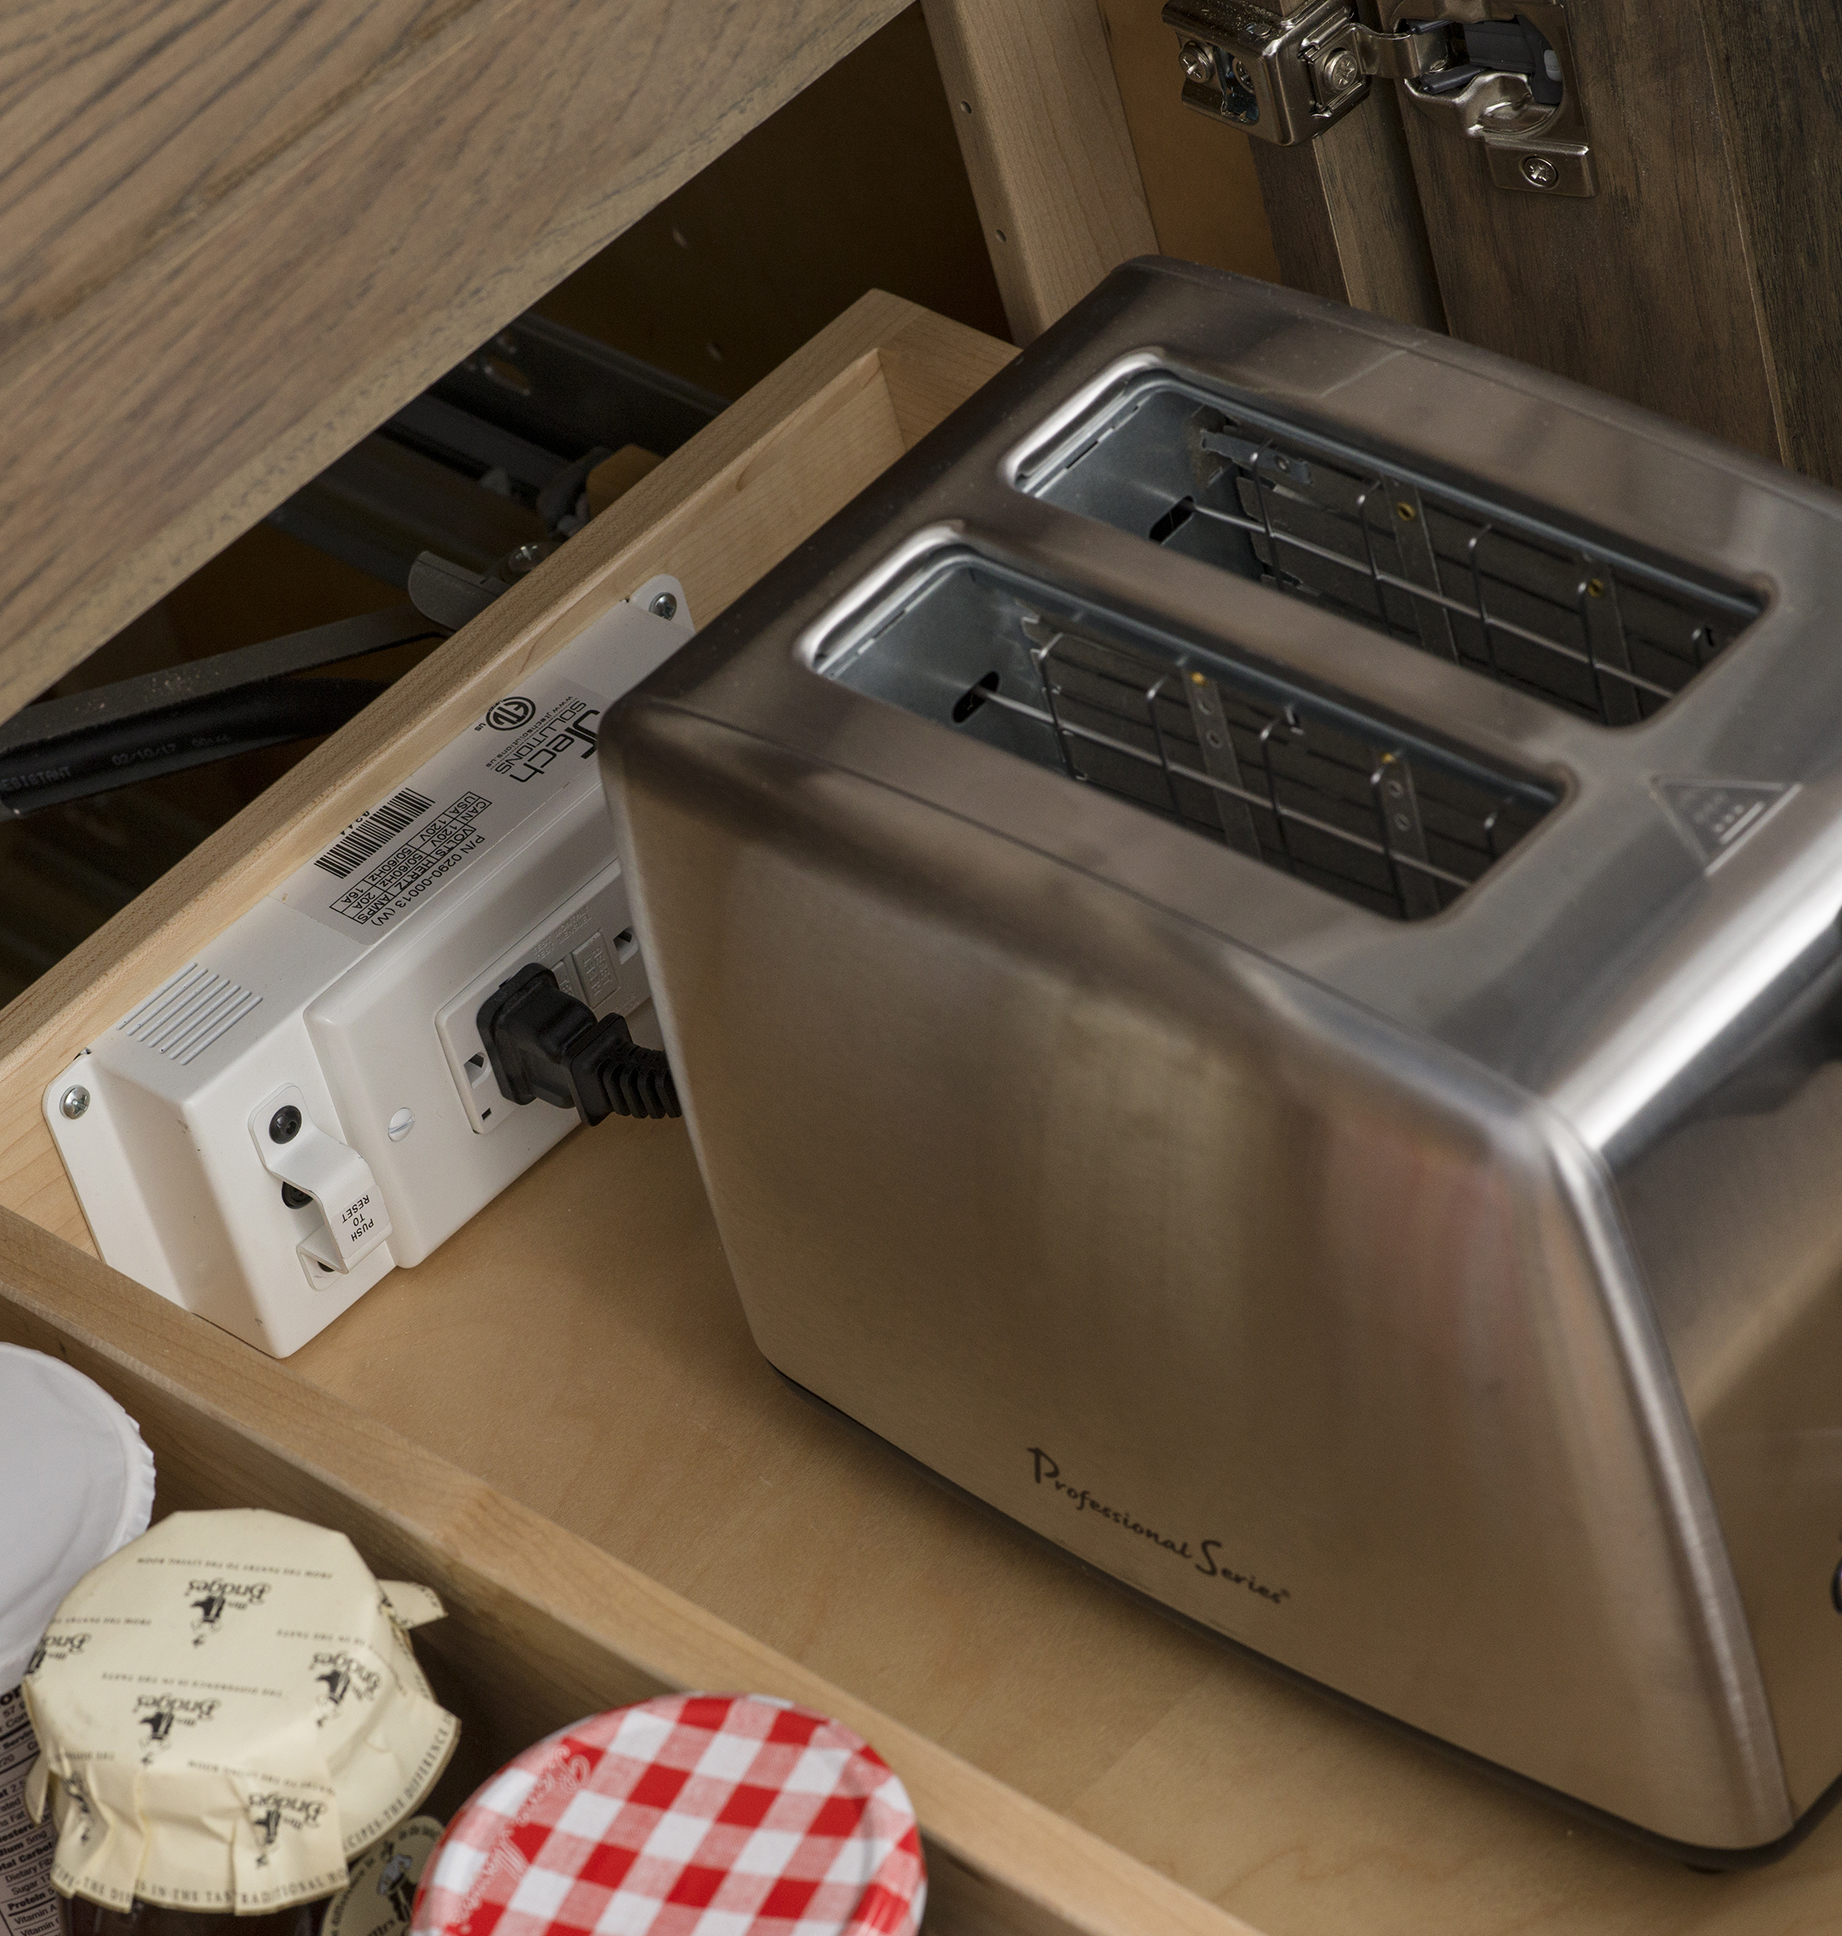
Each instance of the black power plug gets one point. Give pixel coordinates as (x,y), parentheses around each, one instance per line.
(544,1043)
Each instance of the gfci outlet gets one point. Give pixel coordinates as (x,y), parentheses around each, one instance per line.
(309,1102)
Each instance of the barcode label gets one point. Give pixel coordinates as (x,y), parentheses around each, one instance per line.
(363,840)
(530,752)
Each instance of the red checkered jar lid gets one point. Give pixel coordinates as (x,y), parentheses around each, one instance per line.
(691,1815)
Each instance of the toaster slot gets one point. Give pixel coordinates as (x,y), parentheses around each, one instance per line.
(1307,784)
(1558,614)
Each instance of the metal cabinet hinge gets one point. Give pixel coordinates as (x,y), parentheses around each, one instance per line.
(1500,71)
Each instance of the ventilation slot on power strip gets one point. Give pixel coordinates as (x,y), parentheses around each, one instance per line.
(193,1010)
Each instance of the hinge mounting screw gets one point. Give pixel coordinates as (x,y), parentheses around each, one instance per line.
(1342,71)
(1198,62)
(1539,172)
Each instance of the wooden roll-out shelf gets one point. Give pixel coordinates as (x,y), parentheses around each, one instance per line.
(560,1422)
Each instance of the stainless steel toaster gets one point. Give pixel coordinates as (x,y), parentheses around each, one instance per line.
(1250,942)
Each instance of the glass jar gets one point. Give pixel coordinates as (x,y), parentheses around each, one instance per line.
(79,1484)
(233,1726)
(375,1900)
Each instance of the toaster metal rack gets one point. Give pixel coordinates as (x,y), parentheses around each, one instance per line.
(1464,576)
(1409,1250)
(1285,788)
(1339,798)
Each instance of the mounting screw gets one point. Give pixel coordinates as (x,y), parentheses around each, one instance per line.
(1539,172)
(400,1125)
(1198,62)
(73,1102)
(664,606)
(1341,72)
(285,1124)
(1243,73)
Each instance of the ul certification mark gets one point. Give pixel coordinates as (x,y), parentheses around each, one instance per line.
(509,714)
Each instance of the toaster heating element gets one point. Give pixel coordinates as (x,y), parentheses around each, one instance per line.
(1250,941)
(1330,795)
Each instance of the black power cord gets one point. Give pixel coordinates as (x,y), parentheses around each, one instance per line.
(188,715)
(543,1043)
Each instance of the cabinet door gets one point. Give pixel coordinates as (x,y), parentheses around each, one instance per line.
(1644,288)
(1701,278)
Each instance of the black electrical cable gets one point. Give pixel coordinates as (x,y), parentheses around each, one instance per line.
(188,715)
(119,753)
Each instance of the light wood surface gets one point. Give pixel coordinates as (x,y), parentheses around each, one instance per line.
(716,514)
(1198,175)
(541,1626)
(560,1418)
(1046,145)
(235,238)
(576,1359)
(652,1428)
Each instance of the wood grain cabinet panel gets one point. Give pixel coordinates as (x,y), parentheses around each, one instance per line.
(240,236)
(1044,134)
(127,123)
(1777,71)
(1703,280)
(1645,289)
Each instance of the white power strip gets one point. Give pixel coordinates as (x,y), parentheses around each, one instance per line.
(309,1102)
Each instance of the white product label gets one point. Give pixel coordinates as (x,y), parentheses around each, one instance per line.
(528,748)
(28,1903)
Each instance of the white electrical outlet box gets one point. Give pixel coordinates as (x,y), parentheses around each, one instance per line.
(308,1103)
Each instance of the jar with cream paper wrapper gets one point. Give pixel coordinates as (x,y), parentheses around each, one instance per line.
(229,1712)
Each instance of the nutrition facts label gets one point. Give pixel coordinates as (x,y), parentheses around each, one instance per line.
(28,1903)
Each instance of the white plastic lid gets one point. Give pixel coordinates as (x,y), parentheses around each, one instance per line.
(76,1483)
